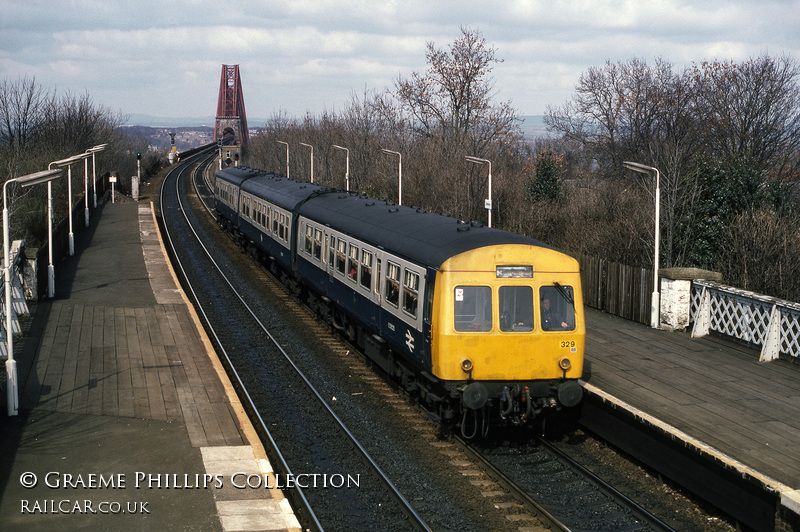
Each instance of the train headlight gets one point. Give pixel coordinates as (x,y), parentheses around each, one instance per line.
(564,363)
(466,365)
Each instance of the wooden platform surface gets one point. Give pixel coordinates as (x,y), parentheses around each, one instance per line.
(713,390)
(146,363)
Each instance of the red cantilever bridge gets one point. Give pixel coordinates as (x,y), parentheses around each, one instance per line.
(230,127)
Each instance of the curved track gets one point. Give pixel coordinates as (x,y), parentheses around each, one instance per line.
(198,261)
(243,317)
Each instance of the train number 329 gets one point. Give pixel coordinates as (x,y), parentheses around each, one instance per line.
(567,343)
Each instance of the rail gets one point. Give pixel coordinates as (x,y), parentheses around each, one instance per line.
(18,304)
(773,324)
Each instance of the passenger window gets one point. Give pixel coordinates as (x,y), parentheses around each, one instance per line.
(516,308)
(340,250)
(410,292)
(309,239)
(318,244)
(366,269)
(393,284)
(473,308)
(352,263)
(557,308)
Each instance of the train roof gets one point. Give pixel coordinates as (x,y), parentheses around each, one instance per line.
(413,233)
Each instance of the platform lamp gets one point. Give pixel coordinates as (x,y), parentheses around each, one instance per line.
(655,305)
(488,202)
(312,158)
(99,147)
(287,156)
(68,163)
(11,364)
(51,271)
(399,174)
(346,168)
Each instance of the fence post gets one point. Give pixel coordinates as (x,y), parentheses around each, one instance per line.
(772,344)
(703,319)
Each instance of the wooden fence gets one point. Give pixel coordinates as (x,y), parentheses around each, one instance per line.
(615,288)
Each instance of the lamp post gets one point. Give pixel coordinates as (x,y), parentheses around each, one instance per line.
(11,364)
(312,159)
(399,174)
(655,305)
(95,149)
(68,164)
(487,203)
(347,167)
(287,157)
(51,271)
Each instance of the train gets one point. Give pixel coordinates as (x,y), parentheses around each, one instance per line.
(482,326)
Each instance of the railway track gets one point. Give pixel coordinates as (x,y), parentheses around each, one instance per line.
(548,481)
(505,503)
(368,508)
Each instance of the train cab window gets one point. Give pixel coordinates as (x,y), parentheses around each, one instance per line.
(309,243)
(341,246)
(473,308)
(557,308)
(318,244)
(410,292)
(516,308)
(366,269)
(393,284)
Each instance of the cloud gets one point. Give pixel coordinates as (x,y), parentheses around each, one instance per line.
(164,58)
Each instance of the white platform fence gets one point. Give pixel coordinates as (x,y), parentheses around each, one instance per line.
(19,305)
(773,324)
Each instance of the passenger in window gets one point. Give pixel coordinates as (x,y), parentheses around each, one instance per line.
(551,320)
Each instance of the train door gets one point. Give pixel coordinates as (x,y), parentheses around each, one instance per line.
(378,295)
(330,255)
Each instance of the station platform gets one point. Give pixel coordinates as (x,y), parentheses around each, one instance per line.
(707,394)
(127,420)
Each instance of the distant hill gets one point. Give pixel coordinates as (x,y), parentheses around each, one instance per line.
(160,121)
(532,125)
(158,137)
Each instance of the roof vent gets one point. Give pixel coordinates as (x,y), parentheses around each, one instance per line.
(394,210)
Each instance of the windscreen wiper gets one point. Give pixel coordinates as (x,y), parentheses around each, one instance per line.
(564,293)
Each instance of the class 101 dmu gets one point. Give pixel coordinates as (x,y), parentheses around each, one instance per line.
(483,326)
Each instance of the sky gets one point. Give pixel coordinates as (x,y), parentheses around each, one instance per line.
(164,58)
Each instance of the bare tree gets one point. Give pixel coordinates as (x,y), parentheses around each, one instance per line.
(750,110)
(634,111)
(451,108)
